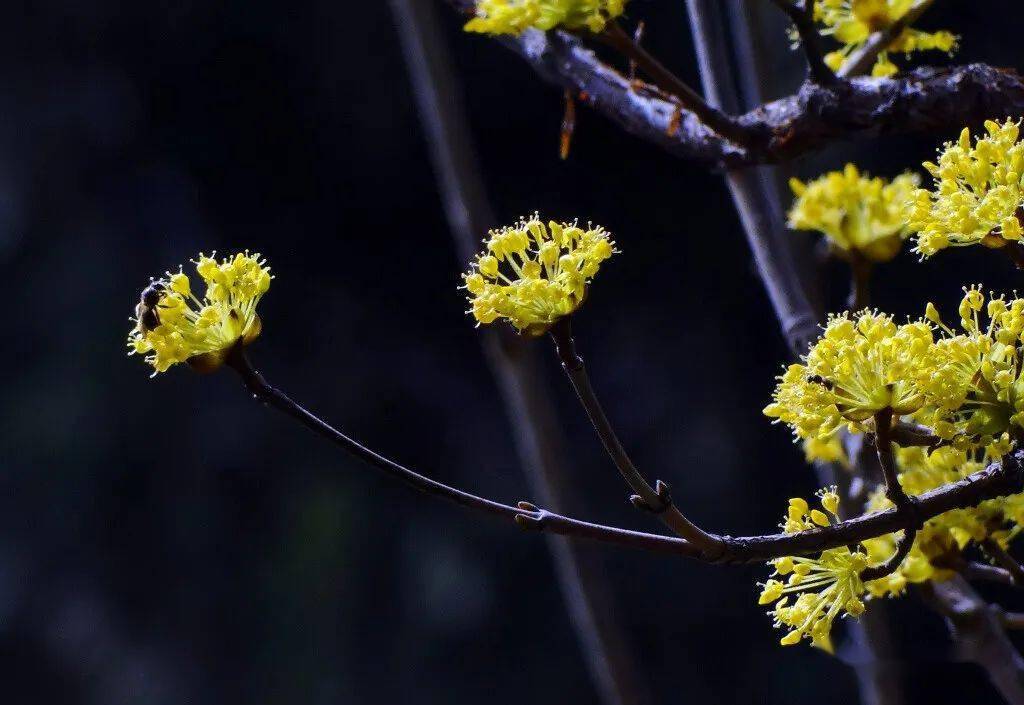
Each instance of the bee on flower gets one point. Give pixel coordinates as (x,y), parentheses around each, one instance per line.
(172,324)
(977,194)
(860,216)
(852,22)
(516,16)
(532,274)
(861,365)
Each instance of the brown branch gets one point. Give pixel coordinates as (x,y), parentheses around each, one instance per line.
(656,500)
(861,61)
(997,480)
(903,546)
(924,101)
(1004,559)
(802,17)
(581,575)
(725,125)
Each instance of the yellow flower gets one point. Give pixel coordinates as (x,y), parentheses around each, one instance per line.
(977,192)
(826,450)
(974,386)
(855,212)
(515,16)
(857,368)
(948,534)
(173,325)
(534,274)
(825,587)
(852,22)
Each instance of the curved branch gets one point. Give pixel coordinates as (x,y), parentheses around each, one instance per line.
(927,100)
(802,17)
(997,480)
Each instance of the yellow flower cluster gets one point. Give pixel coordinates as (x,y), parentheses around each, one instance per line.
(852,22)
(966,386)
(856,213)
(533,274)
(516,16)
(977,194)
(860,366)
(946,535)
(824,588)
(831,584)
(173,325)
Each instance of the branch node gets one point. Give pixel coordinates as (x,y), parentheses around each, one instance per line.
(664,494)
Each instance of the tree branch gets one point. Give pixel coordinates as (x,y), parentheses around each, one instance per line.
(997,480)
(1004,559)
(725,125)
(927,100)
(654,500)
(802,17)
(861,61)
(530,411)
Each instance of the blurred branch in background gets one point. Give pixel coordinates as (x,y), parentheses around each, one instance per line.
(513,362)
(755,192)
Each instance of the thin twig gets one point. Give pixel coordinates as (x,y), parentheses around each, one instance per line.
(1004,559)
(861,61)
(615,37)
(903,546)
(860,282)
(883,446)
(997,480)
(580,573)
(656,500)
(802,17)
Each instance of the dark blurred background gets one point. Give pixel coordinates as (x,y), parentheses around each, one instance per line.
(166,540)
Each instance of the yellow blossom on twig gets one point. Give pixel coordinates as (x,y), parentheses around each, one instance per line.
(852,22)
(533,274)
(172,324)
(859,215)
(824,588)
(977,195)
(515,16)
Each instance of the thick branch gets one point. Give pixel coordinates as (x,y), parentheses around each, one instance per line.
(927,100)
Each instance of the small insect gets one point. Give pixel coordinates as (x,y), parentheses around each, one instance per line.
(818,379)
(146,314)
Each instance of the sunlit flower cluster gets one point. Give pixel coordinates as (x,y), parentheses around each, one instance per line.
(946,535)
(516,16)
(859,215)
(832,585)
(977,195)
(822,588)
(861,365)
(172,324)
(852,22)
(965,385)
(533,274)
